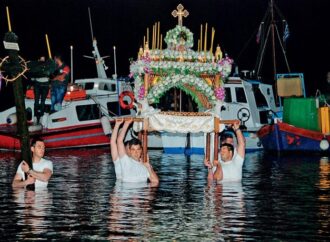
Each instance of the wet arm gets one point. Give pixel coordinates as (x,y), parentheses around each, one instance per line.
(113,142)
(153,176)
(218,174)
(18,182)
(41,176)
(121,137)
(240,140)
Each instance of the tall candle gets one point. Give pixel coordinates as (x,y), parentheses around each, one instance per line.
(161,41)
(8,19)
(148,36)
(158,36)
(201,38)
(205,38)
(213,32)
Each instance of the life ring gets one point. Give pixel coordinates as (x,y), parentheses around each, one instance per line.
(122,103)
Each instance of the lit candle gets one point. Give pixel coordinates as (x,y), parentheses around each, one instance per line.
(8,19)
(205,39)
(48,47)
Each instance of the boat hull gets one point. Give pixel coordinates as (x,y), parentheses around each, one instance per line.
(84,136)
(284,137)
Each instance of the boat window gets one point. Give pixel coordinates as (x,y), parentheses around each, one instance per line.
(88,112)
(240,95)
(89,85)
(113,109)
(228,97)
(260,98)
(113,87)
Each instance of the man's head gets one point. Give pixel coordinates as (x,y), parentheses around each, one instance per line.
(227,138)
(135,149)
(37,147)
(58,60)
(226,152)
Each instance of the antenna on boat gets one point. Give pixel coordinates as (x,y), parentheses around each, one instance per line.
(71,58)
(90,23)
(269,20)
(100,65)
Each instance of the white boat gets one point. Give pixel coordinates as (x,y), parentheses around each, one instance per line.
(79,123)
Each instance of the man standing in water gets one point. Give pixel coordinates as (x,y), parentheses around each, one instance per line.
(132,167)
(41,171)
(230,166)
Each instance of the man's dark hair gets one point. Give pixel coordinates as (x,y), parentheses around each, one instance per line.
(225,135)
(126,142)
(229,146)
(134,142)
(35,140)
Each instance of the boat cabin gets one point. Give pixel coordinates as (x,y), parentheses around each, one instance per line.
(252,102)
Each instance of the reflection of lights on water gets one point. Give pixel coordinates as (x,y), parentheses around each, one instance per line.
(324,174)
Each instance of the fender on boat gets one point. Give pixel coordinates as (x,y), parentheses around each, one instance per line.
(34,128)
(106,125)
(12,119)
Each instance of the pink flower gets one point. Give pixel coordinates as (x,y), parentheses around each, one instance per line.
(220,93)
(141,93)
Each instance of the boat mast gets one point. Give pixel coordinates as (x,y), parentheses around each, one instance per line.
(269,22)
(272,24)
(100,66)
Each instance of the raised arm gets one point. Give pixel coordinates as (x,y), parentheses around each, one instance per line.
(121,137)
(240,140)
(113,141)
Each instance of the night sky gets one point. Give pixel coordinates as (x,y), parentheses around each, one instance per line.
(123,23)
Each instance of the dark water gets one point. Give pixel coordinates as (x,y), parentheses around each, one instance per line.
(279,199)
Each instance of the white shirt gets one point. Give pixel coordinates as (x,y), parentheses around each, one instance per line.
(37,166)
(132,170)
(232,170)
(118,168)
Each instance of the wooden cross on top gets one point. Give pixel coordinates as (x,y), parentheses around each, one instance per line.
(180,13)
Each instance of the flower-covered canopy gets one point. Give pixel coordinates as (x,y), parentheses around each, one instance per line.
(198,73)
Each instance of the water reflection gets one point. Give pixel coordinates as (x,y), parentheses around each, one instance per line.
(324,196)
(130,211)
(33,207)
(280,198)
